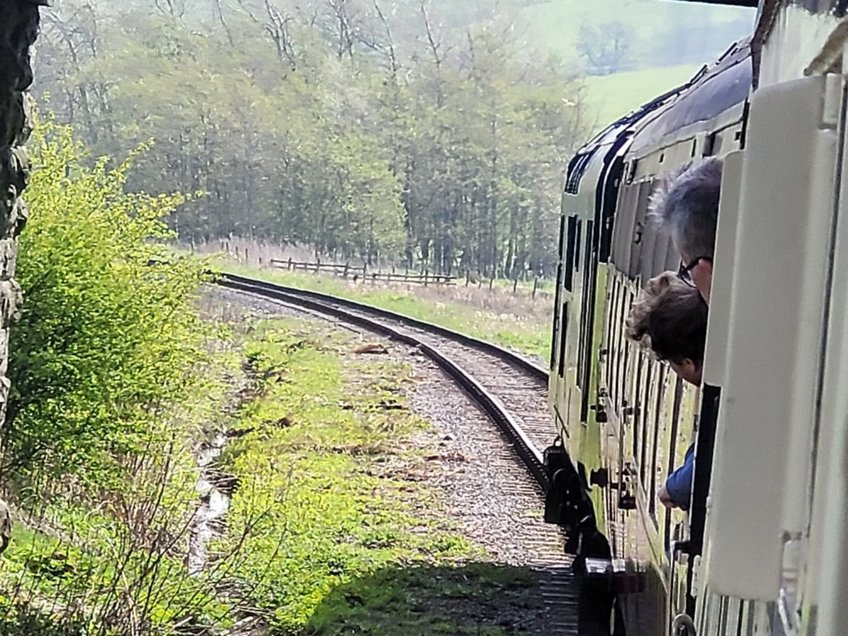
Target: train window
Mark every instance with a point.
(657, 459)
(561, 236)
(642, 231)
(647, 422)
(570, 244)
(623, 349)
(563, 337)
(650, 237)
(616, 334)
(674, 419)
(625, 220)
(612, 325)
(556, 328)
(636, 404)
(576, 170)
(584, 360)
(579, 248)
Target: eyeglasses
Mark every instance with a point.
(684, 272)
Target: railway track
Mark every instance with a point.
(509, 388)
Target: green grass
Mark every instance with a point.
(554, 25)
(659, 30)
(407, 600)
(513, 322)
(613, 96)
(341, 535)
(60, 584)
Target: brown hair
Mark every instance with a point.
(670, 317)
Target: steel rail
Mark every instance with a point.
(530, 367)
(341, 308)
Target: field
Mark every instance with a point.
(612, 96)
(555, 24)
(659, 57)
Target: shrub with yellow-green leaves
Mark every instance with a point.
(105, 341)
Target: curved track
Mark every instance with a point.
(509, 388)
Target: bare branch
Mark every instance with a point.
(387, 48)
(219, 12)
(428, 26)
(278, 28)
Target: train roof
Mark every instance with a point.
(713, 90)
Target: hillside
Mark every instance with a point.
(664, 33)
(612, 96)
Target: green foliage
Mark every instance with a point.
(316, 466)
(365, 146)
(97, 582)
(105, 342)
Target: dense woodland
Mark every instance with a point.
(406, 131)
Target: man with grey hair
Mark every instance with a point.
(686, 205)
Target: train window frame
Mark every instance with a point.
(646, 404)
(611, 328)
(586, 335)
(556, 326)
(659, 424)
(578, 248)
(635, 405)
(671, 466)
(563, 339)
(570, 244)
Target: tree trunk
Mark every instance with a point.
(18, 31)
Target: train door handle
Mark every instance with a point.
(683, 625)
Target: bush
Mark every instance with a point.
(105, 341)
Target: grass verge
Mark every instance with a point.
(517, 322)
(348, 540)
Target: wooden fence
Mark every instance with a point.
(355, 272)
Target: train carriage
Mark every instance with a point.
(761, 550)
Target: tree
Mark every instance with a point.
(364, 129)
(605, 46)
(104, 339)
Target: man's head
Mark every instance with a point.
(686, 205)
(670, 317)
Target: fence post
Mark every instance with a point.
(515, 286)
(426, 272)
(347, 266)
(535, 286)
(318, 266)
(289, 266)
